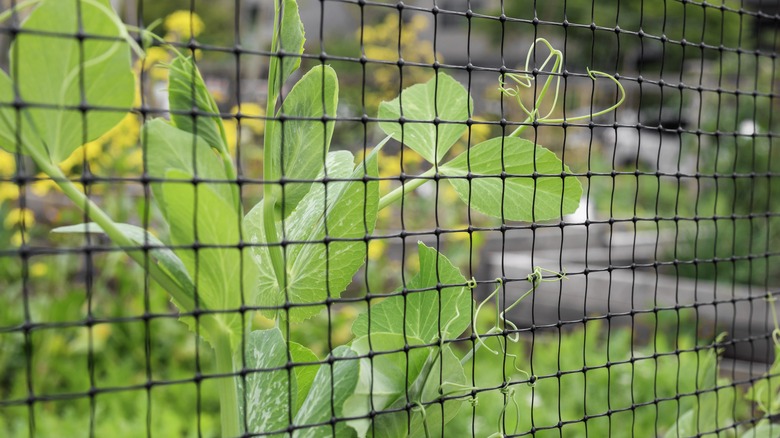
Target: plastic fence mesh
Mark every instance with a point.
(353, 218)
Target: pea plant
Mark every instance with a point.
(298, 249)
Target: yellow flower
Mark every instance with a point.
(154, 56)
(390, 168)
(231, 134)
(460, 235)
(411, 158)
(479, 131)
(7, 164)
(43, 185)
(135, 159)
(16, 239)
(448, 194)
(39, 269)
(184, 23)
(251, 114)
(17, 216)
(391, 165)
(8, 191)
(125, 134)
(376, 248)
(159, 73)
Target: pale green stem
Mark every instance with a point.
(228, 395)
(270, 171)
(521, 128)
(399, 192)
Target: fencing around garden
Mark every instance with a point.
(353, 218)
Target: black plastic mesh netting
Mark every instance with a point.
(353, 218)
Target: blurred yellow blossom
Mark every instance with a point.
(87, 152)
(105, 151)
(17, 216)
(17, 239)
(43, 185)
(460, 235)
(251, 116)
(8, 191)
(448, 193)
(231, 134)
(184, 24)
(38, 269)
(153, 63)
(7, 164)
(376, 248)
(480, 131)
(381, 43)
(389, 167)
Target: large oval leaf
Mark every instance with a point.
(291, 37)
(534, 187)
(316, 272)
(301, 143)
(56, 74)
(424, 312)
(332, 386)
(441, 98)
(270, 388)
(187, 90)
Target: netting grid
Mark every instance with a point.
(354, 218)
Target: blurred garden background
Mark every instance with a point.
(675, 241)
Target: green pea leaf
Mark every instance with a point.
(712, 407)
(316, 271)
(54, 75)
(441, 97)
(168, 147)
(764, 429)
(199, 215)
(518, 196)
(187, 91)
(331, 387)
(445, 376)
(427, 312)
(268, 383)
(395, 377)
(766, 391)
(384, 382)
(11, 127)
(301, 143)
(291, 38)
(161, 255)
(304, 374)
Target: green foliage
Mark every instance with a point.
(187, 91)
(314, 270)
(766, 391)
(160, 254)
(290, 35)
(323, 225)
(418, 312)
(268, 395)
(516, 196)
(304, 140)
(442, 98)
(50, 73)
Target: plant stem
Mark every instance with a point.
(270, 170)
(521, 128)
(405, 188)
(228, 395)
